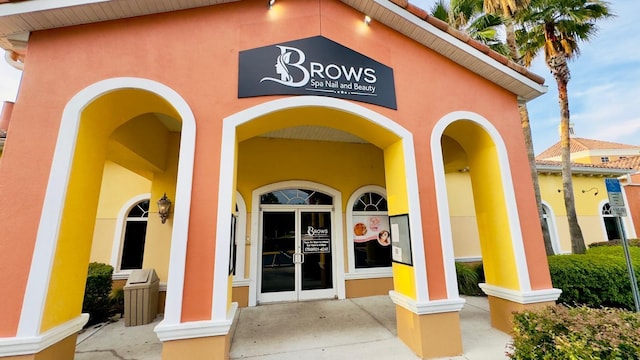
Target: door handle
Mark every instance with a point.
(298, 258)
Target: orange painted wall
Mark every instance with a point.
(195, 52)
(633, 201)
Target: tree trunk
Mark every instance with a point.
(560, 70)
(526, 130)
(528, 140)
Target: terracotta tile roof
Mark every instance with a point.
(462, 36)
(582, 144)
(629, 162)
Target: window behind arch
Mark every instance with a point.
(371, 231)
(135, 233)
(296, 197)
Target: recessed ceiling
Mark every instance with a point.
(318, 133)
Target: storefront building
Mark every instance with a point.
(307, 153)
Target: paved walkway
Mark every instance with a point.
(362, 328)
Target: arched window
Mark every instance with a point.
(135, 232)
(369, 230)
(296, 197)
(610, 223)
(549, 218)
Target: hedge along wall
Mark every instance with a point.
(597, 279)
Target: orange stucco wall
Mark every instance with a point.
(195, 52)
(633, 199)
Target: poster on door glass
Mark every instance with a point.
(371, 228)
(316, 240)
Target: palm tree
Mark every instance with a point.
(507, 9)
(556, 26)
(468, 16)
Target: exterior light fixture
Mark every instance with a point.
(367, 19)
(163, 207)
(271, 2)
(594, 194)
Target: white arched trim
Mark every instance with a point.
(443, 201)
(362, 273)
(605, 236)
(51, 216)
(553, 228)
(626, 221)
(118, 235)
(227, 161)
(336, 237)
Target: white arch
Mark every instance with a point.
(553, 229)
(116, 248)
(336, 223)
(227, 158)
(443, 201)
(51, 216)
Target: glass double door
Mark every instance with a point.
(296, 255)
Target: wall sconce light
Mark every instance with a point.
(163, 207)
(270, 3)
(367, 19)
(594, 194)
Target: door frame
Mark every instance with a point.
(337, 236)
(298, 294)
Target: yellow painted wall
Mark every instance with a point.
(587, 206)
(342, 166)
(490, 204)
(464, 227)
(158, 242)
(119, 185)
(98, 121)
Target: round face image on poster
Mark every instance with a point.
(384, 238)
(360, 229)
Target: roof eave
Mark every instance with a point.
(585, 170)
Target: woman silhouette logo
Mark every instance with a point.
(284, 62)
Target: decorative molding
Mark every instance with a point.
(363, 275)
(241, 282)
(120, 275)
(24, 345)
(526, 297)
(427, 307)
(196, 329)
(468, 259)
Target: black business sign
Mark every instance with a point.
(315, 66)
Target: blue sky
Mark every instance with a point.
(604, 91)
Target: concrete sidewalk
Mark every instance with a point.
(333, 329)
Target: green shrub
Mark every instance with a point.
(596, 279)
(631, 242)
(468, 278)
(117, 302)
(97, 292)
(558, 332)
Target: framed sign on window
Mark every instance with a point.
(401, 239)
